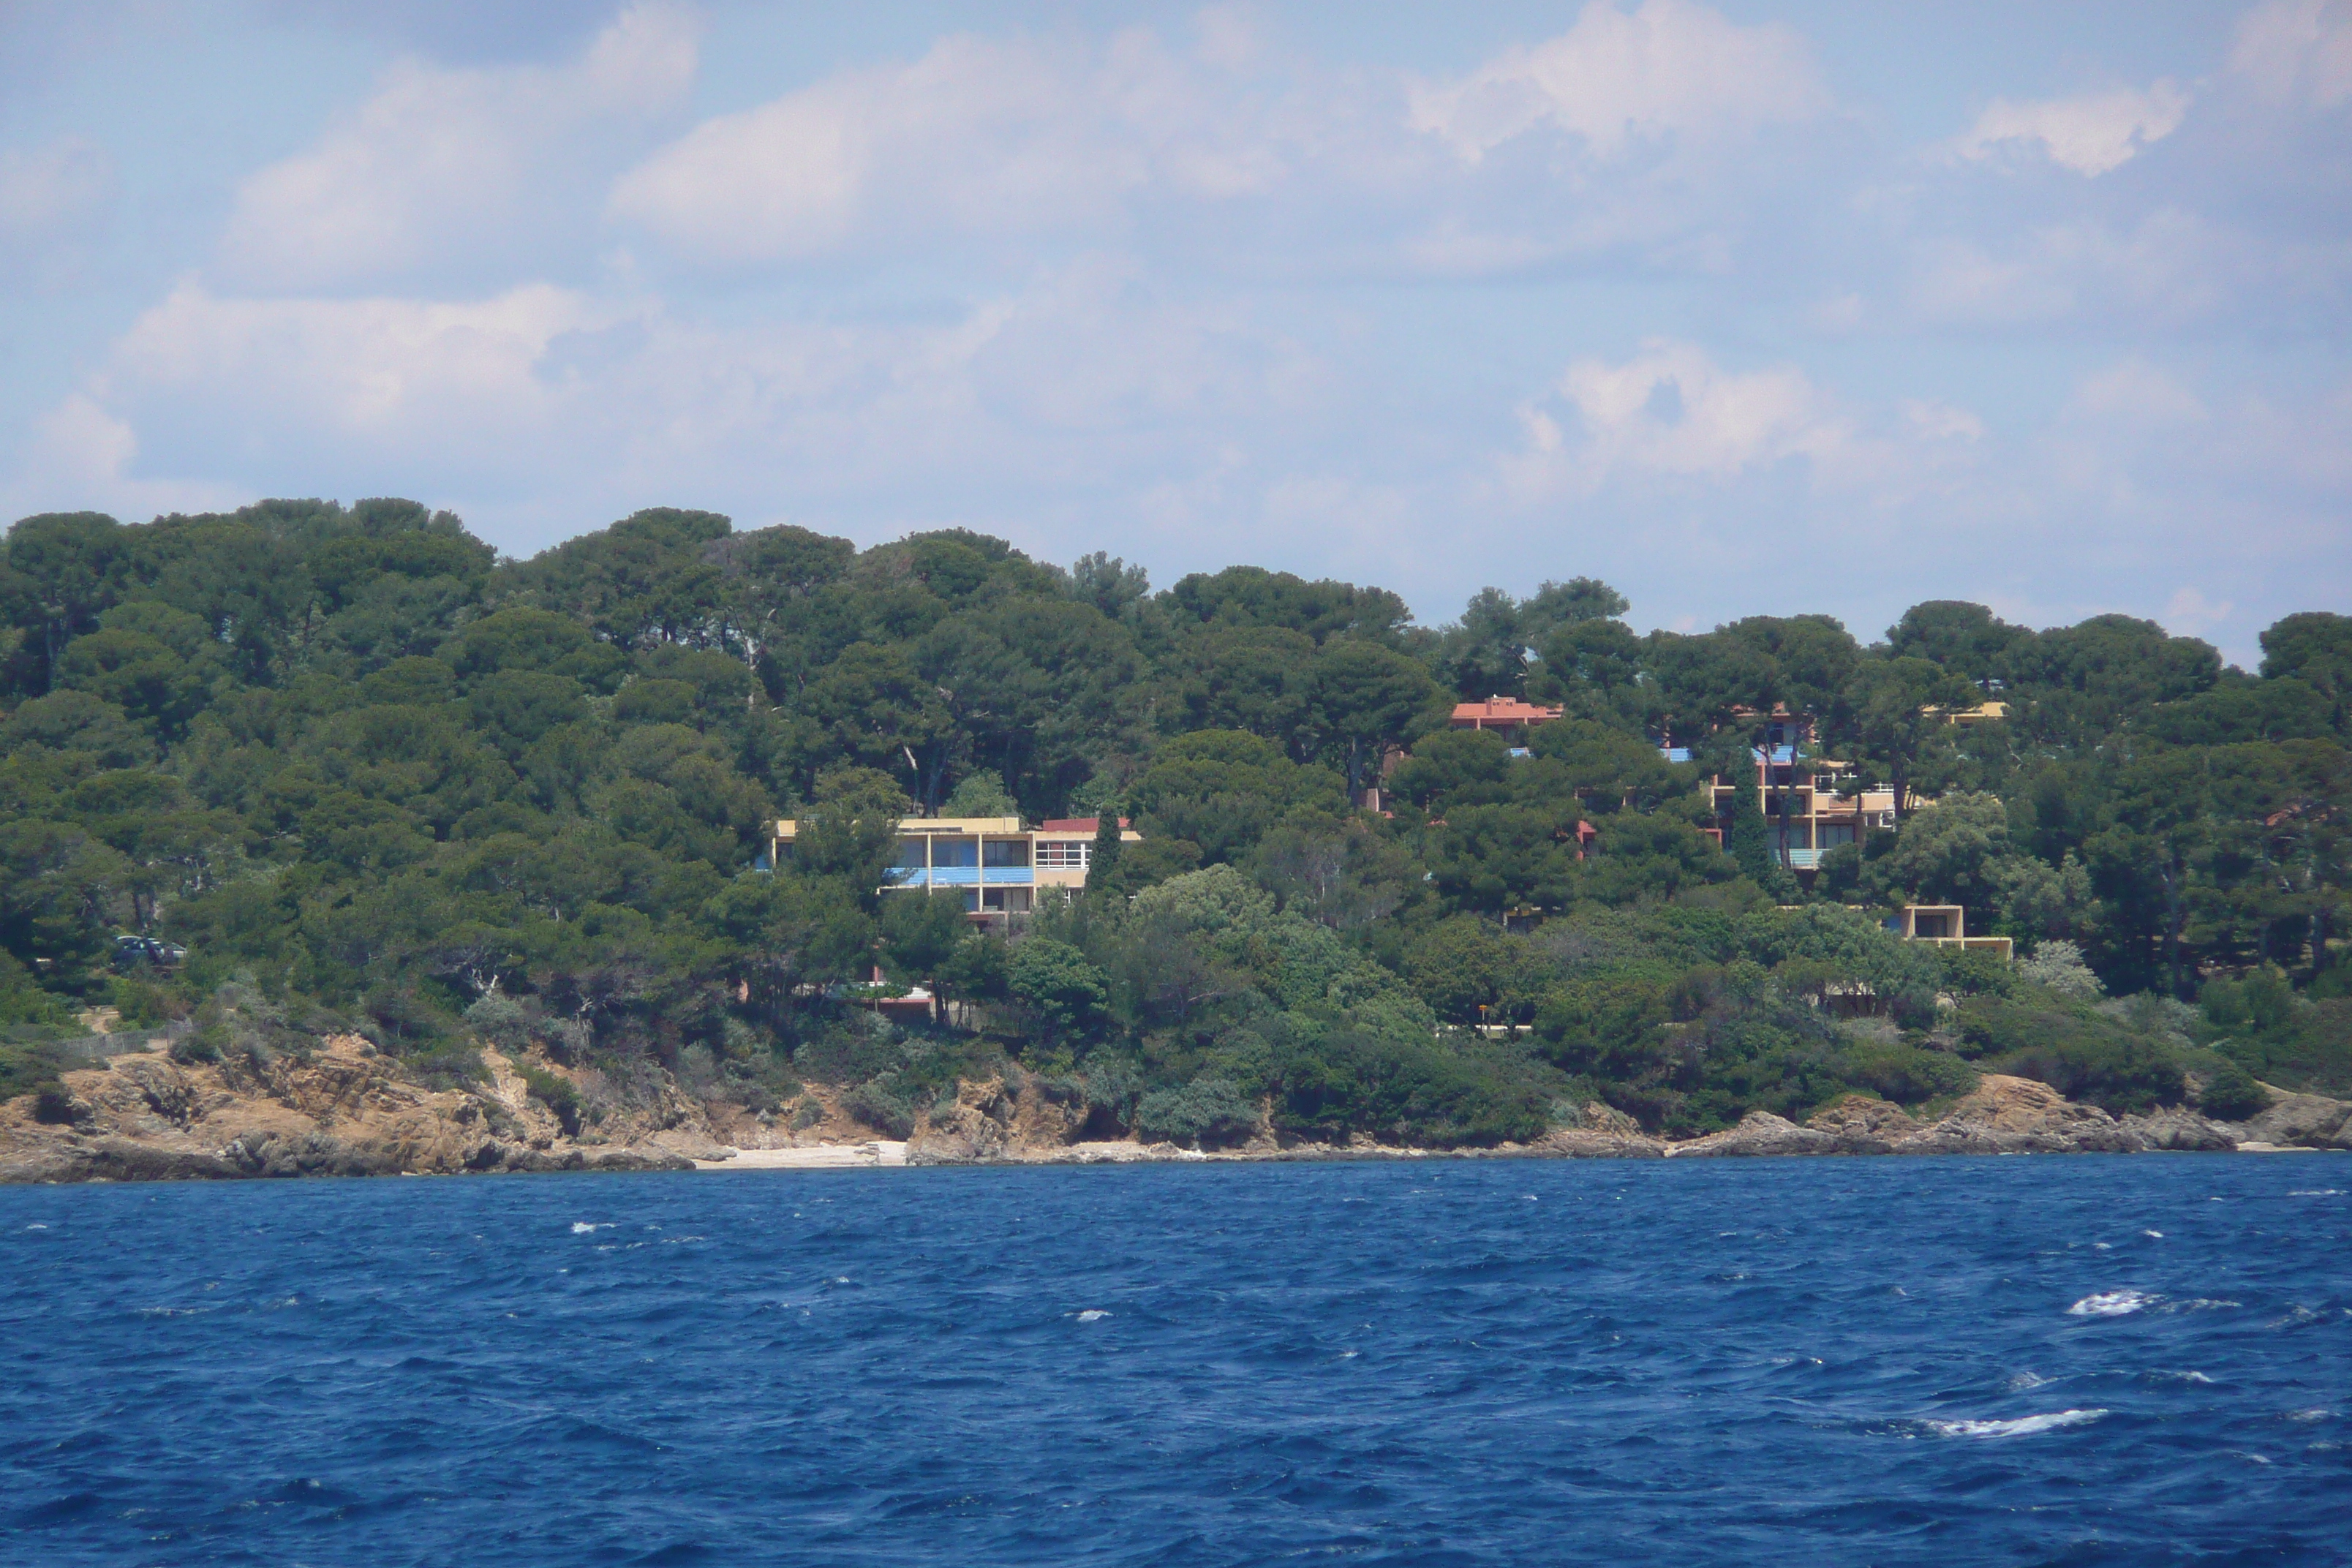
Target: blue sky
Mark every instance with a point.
(1746, 308)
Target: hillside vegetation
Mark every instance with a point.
(375, 778)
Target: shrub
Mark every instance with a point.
(53, 1105)
(1206, 1113)
(26, 1069)
(885, 1103)
(2232, 1095)
(1906, 1073)
(203, 1046)
(558, 1093)
(2075, 1050)
(1409, 1090)
(850, 1051)
(2059, 965)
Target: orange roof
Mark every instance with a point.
(1502, 711)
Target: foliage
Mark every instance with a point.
(374, 778)
(1205, 1113)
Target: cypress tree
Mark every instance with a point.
(1102, 860)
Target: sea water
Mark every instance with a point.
(2078, 1360)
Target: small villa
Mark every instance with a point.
(995, 862)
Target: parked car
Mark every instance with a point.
(134, 949)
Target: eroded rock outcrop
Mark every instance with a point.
(2299, 1121)
(340, 1110)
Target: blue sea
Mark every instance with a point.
(2081, 1360)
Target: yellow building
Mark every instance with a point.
(997, 863)
(1946, 925)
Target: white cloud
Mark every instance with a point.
(2092, 134)
(979, 135)
(81, 459)
(1940, 421)
(1671, 412)
(2297, 51)
(52, 199)
(263, 384)
(2188, 613)
(1671, 69)
(446, 164)
(2138, 394)
(1091, 377)
(2170, 265)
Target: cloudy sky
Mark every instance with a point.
(1747, 308)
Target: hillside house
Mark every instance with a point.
(998, 865)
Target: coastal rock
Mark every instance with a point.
(1760, 1132)
(335, 1109)
(1863, 1124)
(303, 1154)
(2300, 1122)
(978, 1127)
(1598, 1143)
(2008, 1115)
(2179, 1131)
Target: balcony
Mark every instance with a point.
(1799, 859)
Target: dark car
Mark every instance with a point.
(129, 951)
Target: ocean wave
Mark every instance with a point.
(583, 1227)
(2297, 1192)
(2113, 1304)
(1091, 1315)
(2021, 1427)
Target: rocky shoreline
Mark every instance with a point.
(343, 1110)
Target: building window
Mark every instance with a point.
(954, 852)
(1063, 854)
(910, 855)
(1005, 852)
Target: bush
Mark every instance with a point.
(2059, 965)
(2079, 1052)
(1410, 1091)
(558, 1093)
(850, 1051)
(1207, 1112)
(885, 1103)
(2232, 1095)
(1906, 1073)
(203, 1046)
(26, 1069)
(53, 1105)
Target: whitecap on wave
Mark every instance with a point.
(2112, 1304)
(2297, 1192)
(1091, 1315)
(582, 1228)
(2022, 1427)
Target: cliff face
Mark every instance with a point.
(342, 1112)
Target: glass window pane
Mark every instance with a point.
(955, 852)
(1005, 852)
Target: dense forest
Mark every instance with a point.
(375, 778)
